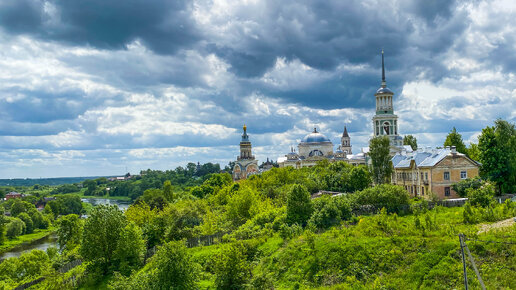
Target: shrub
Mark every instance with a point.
(299, 205)
(15, 228)
(482, 196)
(391, 197)
(29, 225)
(325, 213)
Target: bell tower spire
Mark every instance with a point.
(384, 83)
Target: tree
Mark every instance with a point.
(455, 139)
(167, 191)
(130, 249)
(15, 228)
(473, 151)
(90, 186)
(410, 140)
(101, 234)
(498, 155)
(482, 196)
(379, 149)
(299, 205)
(360, 178)
(20, 206)
(69, 231)
(393, 198)
(29, 225)
(461, 187)
(174, 268)
(3, 222)
(232, 271)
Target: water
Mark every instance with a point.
(41, 244)
(123, 205)
(51, 240)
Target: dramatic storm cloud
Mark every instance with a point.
(95, 87)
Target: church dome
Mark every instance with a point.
(384, 90)
(315, 137)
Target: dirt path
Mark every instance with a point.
(501, 224)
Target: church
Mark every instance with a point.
(316, 146)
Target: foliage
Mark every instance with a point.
(455, 139)
(473, 151)
(326, 212)
(130, 249)
(379, 149)
(461, 187)
(482, 196)
(101, 234)
(69, 231)
(391, 197)
(29, 225)
(170, 268)
(28, 266)
(15, 228)
(299, 205)
(232, 270)
(410, 140)
(65, 188)
(497, 147)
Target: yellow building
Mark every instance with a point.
(427, 171)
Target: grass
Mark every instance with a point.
(25, 239)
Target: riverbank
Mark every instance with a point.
(119, 198)
(10, 245)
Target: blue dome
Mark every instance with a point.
(384, 90)
(315, 137)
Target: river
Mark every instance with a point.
(51, 240)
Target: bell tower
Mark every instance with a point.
(385, 122)
(245, 147)
(345, 145)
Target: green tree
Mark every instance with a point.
(29, 225)
(69, 231)
(410, 140)
(299, 205)
(101, 234)
(90, 185)
(174, 267)
(360, 178)
(15, 228)
(393, 198)
(482, 196)
(461, 187)
(455, 139)
(167, 191)
(498, 155)
(379, 151)
(130, 250)
(473, 151)
(3, 222)
(232, 271)
(20, 206)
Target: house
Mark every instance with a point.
(428, 171)
(13, 194)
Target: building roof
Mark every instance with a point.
(14, 193)
(384, 90)
(345, 134)
(315, 137)
(422, 157)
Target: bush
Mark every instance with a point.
(299, 205)
(15, 228)
(391, 197)
(482, 196)
(29, 225)
(232, 271)
(461, 187)
(325, 213)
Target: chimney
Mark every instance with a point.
(453, 149)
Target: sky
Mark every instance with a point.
(90, 88)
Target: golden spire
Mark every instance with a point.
(245, 128)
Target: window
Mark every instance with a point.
(446, 191)
(422, 190)
(426, 175)
(463, 174)
(446, 175)
(421, 175)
